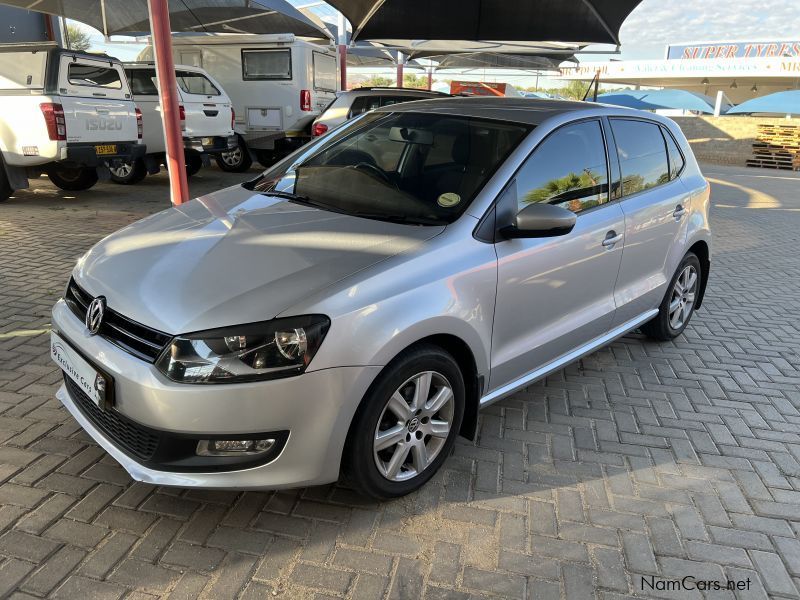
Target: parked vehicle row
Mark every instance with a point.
(278, 85)
(378, 288)
(206, 116)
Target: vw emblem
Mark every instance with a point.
(94, 314)
(413, 424)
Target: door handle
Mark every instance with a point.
(612, 239)
(679, 212)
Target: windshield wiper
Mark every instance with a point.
(305, 200)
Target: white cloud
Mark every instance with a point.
(654, 23)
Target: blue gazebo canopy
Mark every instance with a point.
(780, 103)
(660, 99)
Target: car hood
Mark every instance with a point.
(233, 257)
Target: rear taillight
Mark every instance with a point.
(319, 129)
(233, 118)
(139, 124)
(305, 100)
(182, 116)
(55, 121)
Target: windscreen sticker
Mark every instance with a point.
(448, 200)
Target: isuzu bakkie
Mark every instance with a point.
(64, 113)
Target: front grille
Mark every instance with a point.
(140, 340)
(130, 436)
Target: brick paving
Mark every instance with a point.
(641, 460)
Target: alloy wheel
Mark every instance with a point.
(122, 171)
(683, 296)
(414, 426)
(232, 158)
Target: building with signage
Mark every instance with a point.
(741, 70)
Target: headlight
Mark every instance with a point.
(269, 350)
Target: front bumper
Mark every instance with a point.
(86, 154)
(315, 408)
(210, 144)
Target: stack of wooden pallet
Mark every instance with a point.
(776, 147)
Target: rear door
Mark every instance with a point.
(556, 294)
(97, 101)
(207, 107)
(655, 204)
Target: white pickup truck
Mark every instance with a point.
(206, 120)
(64, 113)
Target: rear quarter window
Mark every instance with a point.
(94, 76)
(191, 82)
(642, 155)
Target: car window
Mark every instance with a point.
(93, 75)
(676, 160)
(567, 169)
(195, 83)
(379, 167)
(642, 155)
(266, 64)
(364, 104)
(142, 82)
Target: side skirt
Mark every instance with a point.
(566, 359)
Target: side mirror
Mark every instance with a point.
(540, 220)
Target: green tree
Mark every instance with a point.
(410, 80)
(77, 38)
(377, 81)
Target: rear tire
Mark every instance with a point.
(194, 163)
(129, 173)
(406, 424)
(679, 302)
(237, 160)
(73, 179)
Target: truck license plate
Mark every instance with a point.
(105, 149)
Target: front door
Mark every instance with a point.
(556, 294)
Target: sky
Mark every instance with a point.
(646, 32)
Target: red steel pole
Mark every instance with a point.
(430, 78)
(343, 66)
(167, 91)
(399, 69)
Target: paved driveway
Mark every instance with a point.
(639, 465)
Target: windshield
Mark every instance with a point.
(406, 167)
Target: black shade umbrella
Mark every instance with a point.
(590, 21)
(219, 16)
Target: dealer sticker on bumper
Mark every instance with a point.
(80, 371)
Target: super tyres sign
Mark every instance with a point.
(722, 50)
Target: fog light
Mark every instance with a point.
(233, 447)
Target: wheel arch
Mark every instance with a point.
(702, 251)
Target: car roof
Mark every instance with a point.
(531, 111)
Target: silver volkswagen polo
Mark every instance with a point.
(348, 312)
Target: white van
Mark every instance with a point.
(64, 113)
(206, 120)
(278, 85)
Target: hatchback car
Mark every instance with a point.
(349, 311)
(352, 103)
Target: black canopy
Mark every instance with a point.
(219, 16)
(590, 21)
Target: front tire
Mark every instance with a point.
(679, 302)
(128, 173)
(406, 424)
(74, 179)
(237, 160)
(6, 191)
